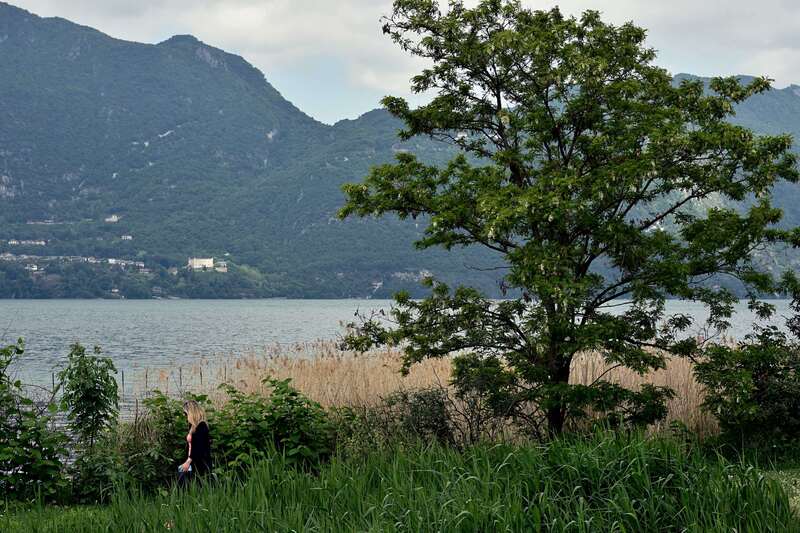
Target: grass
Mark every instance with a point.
(607, 482)
(336, 378)
(790, 480)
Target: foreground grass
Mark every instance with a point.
(790, 479)
(604, 483)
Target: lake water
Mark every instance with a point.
(160, 334)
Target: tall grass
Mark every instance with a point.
(606, 482)
(336, 378)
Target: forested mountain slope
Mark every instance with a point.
(198, 155)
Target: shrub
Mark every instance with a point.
(246, 429)
(95, 474)
(753, 389)
(31, 450)
(423, 414)
(404, 417)
(493, 393)
(241, 433)
(248, 426)
(90, 394)
(90, 399)
(431, 415)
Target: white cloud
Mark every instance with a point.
(332, 60)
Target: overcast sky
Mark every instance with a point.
(330, 59)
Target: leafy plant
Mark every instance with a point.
(422, 414)
(241, 433)
(405, 418)
(753, 388)
(31, 450)
(300, 426)
(89, 393)
(96, 473)
(249, 426)
(587, 173)
(90, 398)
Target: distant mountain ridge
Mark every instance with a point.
(198, 155)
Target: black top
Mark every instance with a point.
(201, 449)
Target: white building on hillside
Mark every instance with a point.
(200, 263)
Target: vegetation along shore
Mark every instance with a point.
(586, 183)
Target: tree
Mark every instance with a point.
(594, 177)
(90, 394)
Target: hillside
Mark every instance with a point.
(196, 154)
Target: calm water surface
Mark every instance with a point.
(165, 333)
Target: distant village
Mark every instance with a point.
(36, 263)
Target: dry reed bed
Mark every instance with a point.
(338, 378)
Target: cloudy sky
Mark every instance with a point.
(330, 58)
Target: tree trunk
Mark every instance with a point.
(557, 414)
(555, 420)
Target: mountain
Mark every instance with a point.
(198, 155)
(773, 112)
(194, 154)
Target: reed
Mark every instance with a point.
(334, 377)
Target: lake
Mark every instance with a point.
(159, 334)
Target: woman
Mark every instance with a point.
(198, 462)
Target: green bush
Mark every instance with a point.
(95, 474)
(246, 429)
(248, 426)
(89, 394)
(90, 399)
(753, 389)
(407, 417)
(31, 450)
(423, 414)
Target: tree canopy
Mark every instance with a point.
(577, 152)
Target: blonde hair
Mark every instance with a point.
(195, 413)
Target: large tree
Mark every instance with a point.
(594, 177)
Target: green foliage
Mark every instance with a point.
(31, 451)
(753, 388)
(407, 417)
(96, 473)
(89, 394)
(590, 174)
(249, 426)
(422, 414)
(90, 400)
(246, 429)
(607, 482)
(152, 446)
